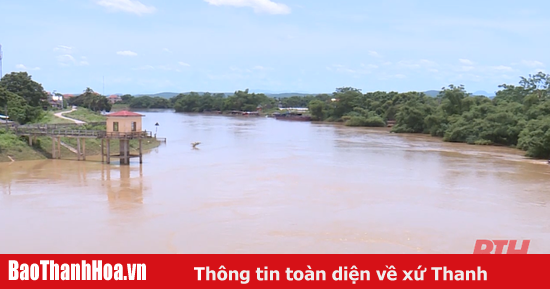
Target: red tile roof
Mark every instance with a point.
(124, 113)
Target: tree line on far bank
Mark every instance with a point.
(518, 116)
(195, 102)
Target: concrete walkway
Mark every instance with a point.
(69, 148)
(60, 115)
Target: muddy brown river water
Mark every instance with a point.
(259, 185)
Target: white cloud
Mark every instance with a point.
(355, 72)
(503, 68)
(466, 61)
(67, 59)
(84, 61)
(63, 49)
(130, 6)
(126, 53)
(374, 54)
(259, 6)
(22, 67)
(184, 64)
(417, 64)
(166, 50)
(532, 63)
(369, 65)
(261, 68)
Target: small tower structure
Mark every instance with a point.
(123, 126)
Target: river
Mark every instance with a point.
(259, 185)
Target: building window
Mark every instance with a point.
(115, 126)
(134, 125)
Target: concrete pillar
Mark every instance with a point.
(53, 146)
(108, 151)
(59, 147)
(124, 152)
(140, 153)
(84, 149)
(102, 150)
(78, 148)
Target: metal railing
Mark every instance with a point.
(54, 126)
(127, 135)
(59, 131)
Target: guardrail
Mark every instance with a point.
(58, 132)
(42, 130)
(55, 126)
(127, 135)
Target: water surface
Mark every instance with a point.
(258, 185)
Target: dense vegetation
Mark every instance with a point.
(24, 99)
(146, 101)
(91, 100)
(517, 116)
(195, 102)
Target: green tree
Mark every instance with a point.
(18, 108)
(317, 109)
(91, 100)
(21, 83)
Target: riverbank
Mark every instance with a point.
(86, 115)
(14, 148)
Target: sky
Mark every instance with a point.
(310, 46)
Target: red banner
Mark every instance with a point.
(273, 271)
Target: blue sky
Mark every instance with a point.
(150, 46)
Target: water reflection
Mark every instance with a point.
(122, 185)
(124, 192)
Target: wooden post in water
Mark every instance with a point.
(102, 150)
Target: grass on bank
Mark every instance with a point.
(16, 148)
(86, 115)
(49, 118)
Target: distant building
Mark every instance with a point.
(115, 98)
(295, 108)
(56, 101)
